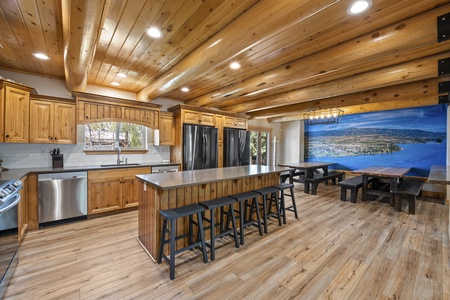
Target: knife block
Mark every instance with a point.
(57, 161)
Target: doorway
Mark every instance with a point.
(259, 147)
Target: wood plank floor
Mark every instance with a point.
(335, 250)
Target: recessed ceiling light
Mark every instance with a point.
(154, 32)
(41, 55)
(114, 83)
(120, 74)
(359, 6)
(185, 89)
(235, 65)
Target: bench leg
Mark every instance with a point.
(343, 193)
(314, 188)
(354, 194)
(412, 205)
(306, 185)
(397, 202)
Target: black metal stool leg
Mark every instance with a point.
(173, 230)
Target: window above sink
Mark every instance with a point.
(102, 137)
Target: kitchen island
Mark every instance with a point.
(171, 190)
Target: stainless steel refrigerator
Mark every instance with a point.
(199, 147)
(236, 147)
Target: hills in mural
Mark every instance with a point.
(365, 141)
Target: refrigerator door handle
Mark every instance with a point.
(204, 148)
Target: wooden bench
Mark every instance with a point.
(409, 189)
(353, 184)
(284, 177)
(318, 178)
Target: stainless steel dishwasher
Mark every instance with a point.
(62, 196)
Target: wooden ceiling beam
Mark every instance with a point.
(263, 21)
(420, 69)
(398, 92)
(393, 44)
(364, 108)
(82, 23)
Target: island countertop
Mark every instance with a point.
(172, 180)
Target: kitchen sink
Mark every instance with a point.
(119, 165)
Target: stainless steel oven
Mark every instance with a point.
(9, 238)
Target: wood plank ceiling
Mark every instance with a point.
(295, 56)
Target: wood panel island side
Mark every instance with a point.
(171, 190)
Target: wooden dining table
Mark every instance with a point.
(308, 168)
(439, 174)
(393, 174)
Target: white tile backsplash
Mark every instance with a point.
(38, 155)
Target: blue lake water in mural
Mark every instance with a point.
(418, 156)
(414, 138)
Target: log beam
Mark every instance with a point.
(82, 25)
(401, 42)
(364, 108)
(399, 92)
(420, 69)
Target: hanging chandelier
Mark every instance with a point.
(325, 116)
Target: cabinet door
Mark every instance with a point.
(191, 117)
(104, 195)
(41, 123)
(130, 197)
(22, 220)
(16, 115)
(229, 122)
(64, 129)
(207, 119)
(241, 123)
(166, 130)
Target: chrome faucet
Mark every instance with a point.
(117, 147)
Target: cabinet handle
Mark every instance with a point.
(50, 138)
(56, 138)
(7, 135)
(87, 117)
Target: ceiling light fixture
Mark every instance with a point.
(120, 74)
(114, 83)
(235, 65)
(326, 116)
(154, 32)
(185, 89)
(359, 6)
(41, 56)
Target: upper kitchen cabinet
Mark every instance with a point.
(14, 110)
(166, 129)
(234, 122)
(52, 121)
(97, 108)
(198, 118)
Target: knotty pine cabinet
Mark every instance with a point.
(14, 112)
(166, 129)
(52, 122)
(198, 118)
(113, 189)
(233, 122)
(98, 108)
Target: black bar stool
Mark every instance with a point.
(221, 203)
(282, 187)
(172, 215)
(269, 194)
(243, 199)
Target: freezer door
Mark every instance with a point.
(209, 148)
(244, 148)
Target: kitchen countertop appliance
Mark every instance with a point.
(62, 197)
(9, 238)
(164, 169)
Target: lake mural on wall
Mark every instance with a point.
(414, 138)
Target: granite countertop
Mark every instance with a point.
(188, 178)
(14, 174)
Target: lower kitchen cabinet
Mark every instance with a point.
(113, 189)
